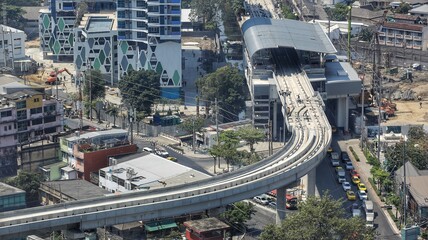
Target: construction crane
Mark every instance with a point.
(52, 79)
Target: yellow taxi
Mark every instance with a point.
(172, 159)
(351, 195)
(355, 179)
(361, 186)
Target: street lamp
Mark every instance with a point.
(404, 132)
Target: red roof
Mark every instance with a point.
(404, 26)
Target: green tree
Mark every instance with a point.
(288, 13)
(366, 34)
(140, 89)
(30, 183)
(14, 15)
(113, 110)
(93, 86)
(319, 218)
(403, 8)
(239, 213)
(205, 10)
(192, 125)
(226, 84)
(380, 175)
(251, 136)
(338, 13)
(229, 141)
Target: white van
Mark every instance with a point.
(147, 149)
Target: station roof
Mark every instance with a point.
(265, 33)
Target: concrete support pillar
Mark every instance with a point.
(340, 112)
(309, 182)
(275, 120)
(346, 126)
(280, 204)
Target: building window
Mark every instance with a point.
(21, 104)
(35, 110)
(6, 114)
(141, 14)
(49, 119)
(22, 126)
(21, 115)
(37, 121)
(36, 99)
(5, 128)
(50, 130)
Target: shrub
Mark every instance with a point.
(354, 154)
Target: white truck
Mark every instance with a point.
(368, 209)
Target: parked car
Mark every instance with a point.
(355, 179)
(345, 157)
(272, 205)
(354, 172)
(349, 165)
(362, 195)
(335, 162)
(262, 199)
(346, 186)
(351, 195)
(147, 149)
(361, 186)
(341, 179)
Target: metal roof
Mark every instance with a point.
(265, 33)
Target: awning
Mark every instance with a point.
(160, 225)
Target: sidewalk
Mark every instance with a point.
(363, 168)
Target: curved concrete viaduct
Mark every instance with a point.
(310, 138)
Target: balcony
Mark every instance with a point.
(408, 36)
(390, 35)
(68, 8)
(399, 44)
(382, 42)
(399, 36)
(389, 43)
(417, 47)
(417, 38)
(381, 33)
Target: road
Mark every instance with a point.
(326, 181)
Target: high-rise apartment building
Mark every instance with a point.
(149, 35)
(56, 24)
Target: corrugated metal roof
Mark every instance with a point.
(265, 33)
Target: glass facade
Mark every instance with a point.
(12, 202)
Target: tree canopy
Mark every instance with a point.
(415, 150)
(403, 8)
(251, 136)
(94, 84)
(338, 13)
(139, 89)
(239, 213)
(14, 15)
(226, 84)
(319, 218)
(30, 183)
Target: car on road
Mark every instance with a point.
(354, 172)
(349, 165)
(361, 186)
(355, 179)
(162, 153)
(362, 195)
(339, 169)
(351, 195)
(272, 205)
(172, 159)
(147, 149)
(262, 199)
(345, 157)
(341, 179)
(346, 186)
(335, 162)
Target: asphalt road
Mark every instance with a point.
(326, 181)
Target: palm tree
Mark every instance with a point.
(113, 110)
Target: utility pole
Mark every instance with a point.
(3, 45)
(349, 2)
(404, 184)
(131, 122)
(12, 49)
(90, 88)
(56, 83)
(4, 13)
(216, 121)
(80, 101)
(270, 137)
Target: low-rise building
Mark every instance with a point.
(54, 192)
(404, 31)
(416, 188)
(11, 198)
(208, 136)
(89, 152)
(145, 172)
(204, 229)
(12, 45)
(421, 11)
(31, 17)
(27, 115)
